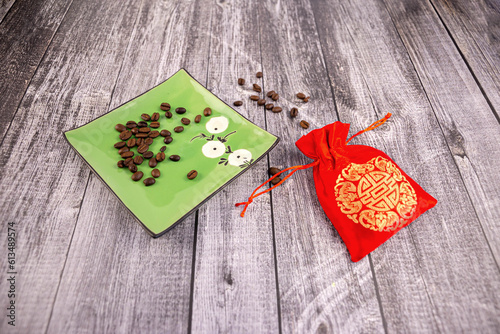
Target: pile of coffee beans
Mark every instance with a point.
(140, 136)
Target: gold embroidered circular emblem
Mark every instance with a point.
(376, 195)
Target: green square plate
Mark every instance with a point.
(221, 147)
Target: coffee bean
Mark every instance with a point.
(152, 162)
(259, 75)
(139, 141)
(294, 112)
(131, 124)
(154, 134)
(269, 106)
(125, 135)
(141, 135)
(120, 164)
(149, 181)
(306, 99)
(160, 156)
(128, 154)
(168, 140)
(135, 130)
(145, 117)
(120, 144)
(179, 129)
(301, 95)
(148, 141)
(165, 106)
(132, 168)
(261, 102)
(155, 173)
(168, 114)
(120, 127)
(144, 130)
(137, 176)
(128, 161)
(185, 121)
(131, 142)
(138, 160)
(257, 88)
(270, 93)
(241, 81)
(207, 112)
(123, 150)
(154, 125)
(142, 124)
(238, 103)
(197, 119)
(276, 109)
(174, 157)
(165, 133)
(275, 97)
(254, 97)
(155, 116)
(180, 110)
(143, 148)
(276, 180)
(304, 124)
(192, 174)
(274, 170)
(163, 148)
(148, 155)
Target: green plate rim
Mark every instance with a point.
(196, 207)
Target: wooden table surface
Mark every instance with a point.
(84, 265)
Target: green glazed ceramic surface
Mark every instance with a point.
(220, 148)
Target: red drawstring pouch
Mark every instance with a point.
(365, 194)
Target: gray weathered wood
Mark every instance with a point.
(444, 254)
(475, 28)
(321, 290)
(5, 5)
(45, 180)
(235, 269)
(22, 49)
(148, 280)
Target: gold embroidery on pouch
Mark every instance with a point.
(376, 195)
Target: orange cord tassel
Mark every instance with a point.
(371, 127)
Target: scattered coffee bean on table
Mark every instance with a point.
(138, 160)
(269, 106)
(165, 133)
(276, 180)
(125, 135)
(174, 157)
(142, 124)
(149, 181)
(131, 124)
(168, 114)
(155, 116)
(168, 140)
(120, 144)
(123, 150)
(274, 170)
(148, 155)
(148, 141)
(257, 88)
(197, 119)
(128, 161)
(238, 103)
(145, 117)
(179, 129)
(207, 112)
(137, 176)
(120, 164)
(241, 81)
(154, 124)
(304, 124)
(154, 134)
(185, 121)
(275, 97)
(294, 112)
(120, 127)
(165, 106)
(276, 109)
(270, 93)
(132, 168)
(261, 102)
(301, 95)
(143, 148)
(259, 75)
(306, 99)
(152, 162)
(254, 97)
(160, 156)
(163, 148)
(192, 174)
(180, 110)
(155, 173)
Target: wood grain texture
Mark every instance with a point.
(25, 34)
(5, 6)
(321, 290)
(148, 281)
(234, 281)
(45, 179)
(475, 28)
(444, 254)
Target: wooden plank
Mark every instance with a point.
(438, 274)
(25, 35)
(234, 282)
(474, 27)
(45, 180)
(5, 5)
(149, 279)
(321, 290)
